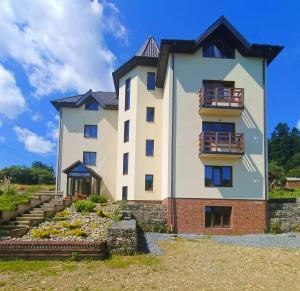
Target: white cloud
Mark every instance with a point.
(52, 130)
(298, 124)
(2, 139)
(12, 102)
(36, 117)
(33, 142)
(61, 44)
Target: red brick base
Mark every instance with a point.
(248, 216)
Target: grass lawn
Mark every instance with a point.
(186, 265)
(284, 194)
(10, 202)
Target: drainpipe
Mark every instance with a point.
(58, 161)
(173, 153)
(265, 144)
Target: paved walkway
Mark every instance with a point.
(286, 240)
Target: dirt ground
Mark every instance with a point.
(186, 265)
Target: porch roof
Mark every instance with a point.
(79, 169)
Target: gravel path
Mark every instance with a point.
(287, 240)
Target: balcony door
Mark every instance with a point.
(212, 127)
(216, 91)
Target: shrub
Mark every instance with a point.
(83, 206)
(100, 213)
(99, 198)
(73, 225)
(44, 233)
(76, 232)
(275, 228)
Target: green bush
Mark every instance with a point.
(84, 206)
(275, 228)
(100, 213)
(73, 225)
(76, 232)
(44, 233)
(99, 198)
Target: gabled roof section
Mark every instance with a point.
(107, 100)
(79, 168)
(146, 56)
(220, 29)
(149, 49)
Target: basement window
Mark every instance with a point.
(218, 216)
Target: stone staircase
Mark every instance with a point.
(22, 223)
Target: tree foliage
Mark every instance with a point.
(38, 173)
(284, 147)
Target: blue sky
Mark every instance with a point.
(52, 49)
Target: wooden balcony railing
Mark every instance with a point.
(221, 97)
(221, 142)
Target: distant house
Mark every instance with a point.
(185, 128)
(292, 182)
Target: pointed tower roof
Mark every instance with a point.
(149, 49)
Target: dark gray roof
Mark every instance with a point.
(149, 49)
(107, 100)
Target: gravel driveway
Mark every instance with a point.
(286, 240)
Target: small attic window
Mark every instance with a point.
(92, 105)
(218, 49)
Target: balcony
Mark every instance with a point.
(221, 144)
(224, 101)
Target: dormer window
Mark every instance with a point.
(218, 50)
(93, 105)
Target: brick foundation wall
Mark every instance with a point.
(248, 216)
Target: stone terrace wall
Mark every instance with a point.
(286, 212)
(150, 217)
(122, 237)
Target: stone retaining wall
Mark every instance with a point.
(122, 237)
(150, 217)
(285, 213)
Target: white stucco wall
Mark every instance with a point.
(248, 172)
(140, 130)
(74, 143)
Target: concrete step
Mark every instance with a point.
(33, 215)
(23, 223)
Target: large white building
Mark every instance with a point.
(186, 127)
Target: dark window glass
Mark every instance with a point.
(148, 182)
(92, 105)
(150, 81)
(150, 114)
(127, 94)
(90, 131)
(218, 50)
(126, 131)
(218, 176)
(124, 192)
(217, 216)
(125, 164)
(149, 147)
(218, 127)
(89, 158)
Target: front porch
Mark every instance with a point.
(82, 181)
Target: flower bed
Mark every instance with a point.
(74, 225)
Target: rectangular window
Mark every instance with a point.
(90, 131)
(149, 147)
(218, 216)
(89, 158)
(150, 114)
(124, 193)
(125, 164)
(127, 94)
(126, 131)
(150, 81)
(93, 105)
(218, 127)
(218, 176)
(149, 182)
